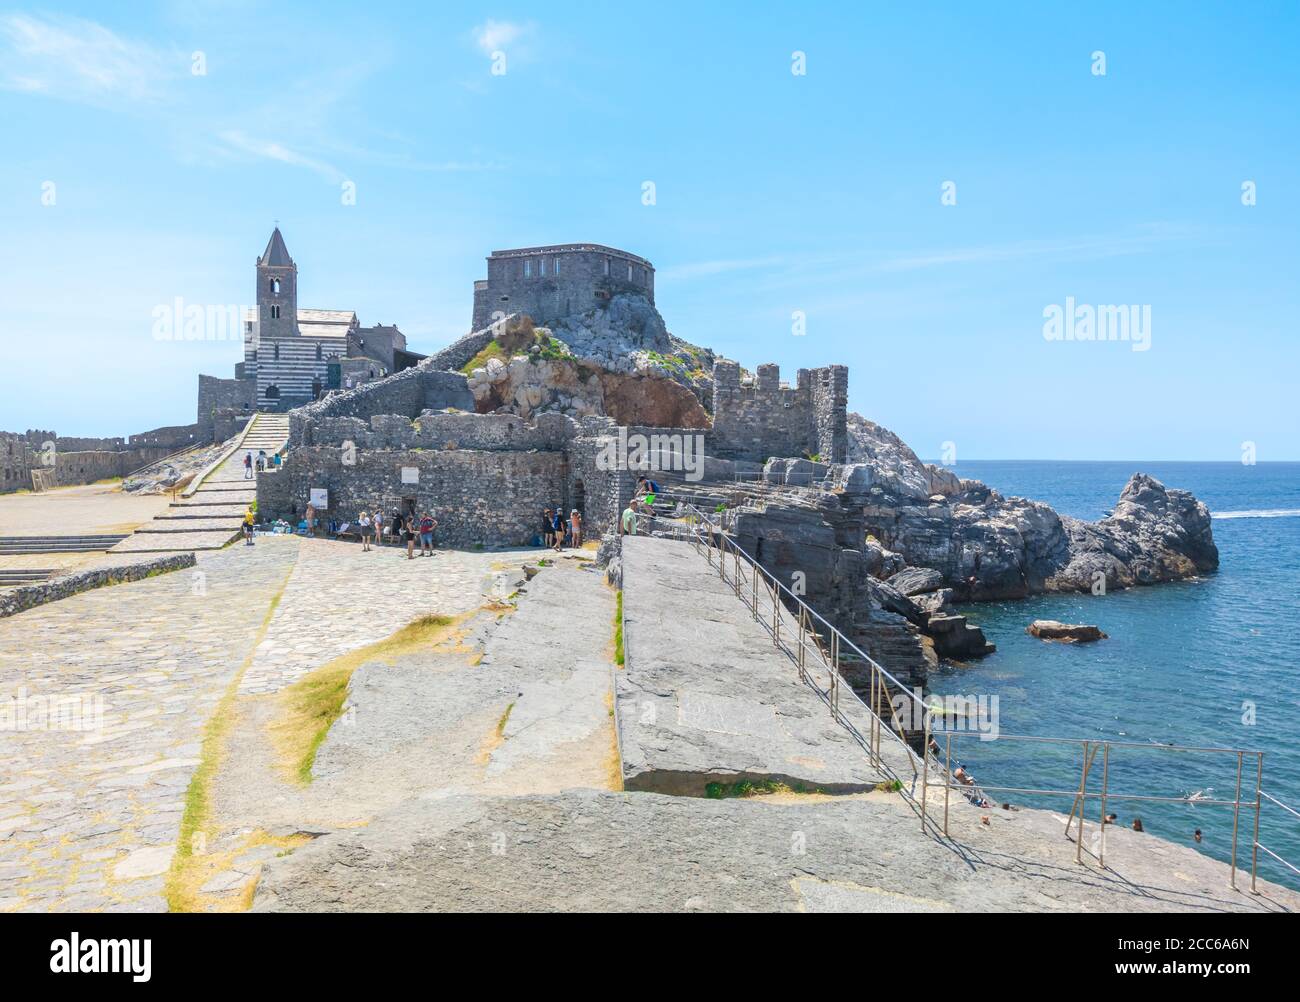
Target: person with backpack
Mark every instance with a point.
(557, 528)
(427, 524)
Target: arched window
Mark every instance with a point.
(273, 392)
(275, 286)
(319, 352)
(275, 313)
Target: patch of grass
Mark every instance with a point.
(888, 786)
(494, 349)
(749, 788)
(313, 703)
(501, 724)
(181, 886)
(619, 653)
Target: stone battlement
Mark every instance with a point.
(760, 419)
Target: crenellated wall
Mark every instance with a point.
(761, 419)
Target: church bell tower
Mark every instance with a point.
(277, 291)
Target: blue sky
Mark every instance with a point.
(775, 193)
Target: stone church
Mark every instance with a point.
(292, 355)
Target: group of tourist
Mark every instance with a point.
(261, 463)
(408, 528)
(558, 531)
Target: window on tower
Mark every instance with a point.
(275, 286)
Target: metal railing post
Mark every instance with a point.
(1105, 784)
(925, 776)
(1254, 842)
(1236, 815)
(947, 776)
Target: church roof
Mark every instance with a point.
(276, 253)
(318, 323)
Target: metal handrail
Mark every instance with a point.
(810, 638)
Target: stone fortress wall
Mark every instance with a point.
(86, 460)
(762, 419)
(556, 282)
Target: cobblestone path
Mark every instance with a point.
(89, 817)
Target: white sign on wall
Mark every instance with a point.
(320, 498)
(410, 474)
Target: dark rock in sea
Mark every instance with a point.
(1067, 633)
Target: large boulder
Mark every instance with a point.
(1068, 633)
(913, 581)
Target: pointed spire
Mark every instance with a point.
(276, 253)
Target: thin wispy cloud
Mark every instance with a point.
(266, 149)
(495, 36)
(72, 59)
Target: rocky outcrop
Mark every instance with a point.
(1067, 633)
(987, 546)
(530, 384)
(878, 457)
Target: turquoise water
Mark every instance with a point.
(1184, 664)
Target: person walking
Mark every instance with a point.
(363, 520)
(408, 528)
(427, 524)
(557, 528)
(248, 466)
(249, 519)
(575, 529)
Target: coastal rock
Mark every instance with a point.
(1069, 633)
(879, 457)
(958, 639)
(989, 547)
(914, 581)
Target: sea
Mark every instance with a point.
(1207, 663)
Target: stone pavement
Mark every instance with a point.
(706, 696)
(89, 818)
(91, 509)
(585, 850)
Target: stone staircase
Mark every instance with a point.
(211, 517)
(13, 577)
(12, 545)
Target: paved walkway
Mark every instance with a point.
(89, 818)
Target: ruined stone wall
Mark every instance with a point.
(442, 430)
(15, 462)
(87, 467)
(168, 439)
(763, 419)
(405, 393)
(217, 395)
(478, 498)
